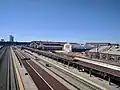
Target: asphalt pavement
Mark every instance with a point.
(4, 65)
(7, 74)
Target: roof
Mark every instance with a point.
(107, 50)
(113, 50)
(48, 42)
(96, 43)
(52, 46)
(100, 49)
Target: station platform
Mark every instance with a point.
(25, 81)
(104, 67)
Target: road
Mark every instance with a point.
(7, 74)
(4, 65)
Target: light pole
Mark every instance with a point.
(97, 51)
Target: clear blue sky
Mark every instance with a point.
(61, 20)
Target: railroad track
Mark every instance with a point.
(85, 84)
(41, 85)
(82, 81)
(42, 79)
(112, 74)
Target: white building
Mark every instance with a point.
(76, 47)
(67, 47)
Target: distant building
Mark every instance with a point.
(47, 45)
(75, 47)
(11, 38)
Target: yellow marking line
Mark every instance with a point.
(40, 76)
(17, 72)
(94, 84)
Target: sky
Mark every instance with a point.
(61, 20)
